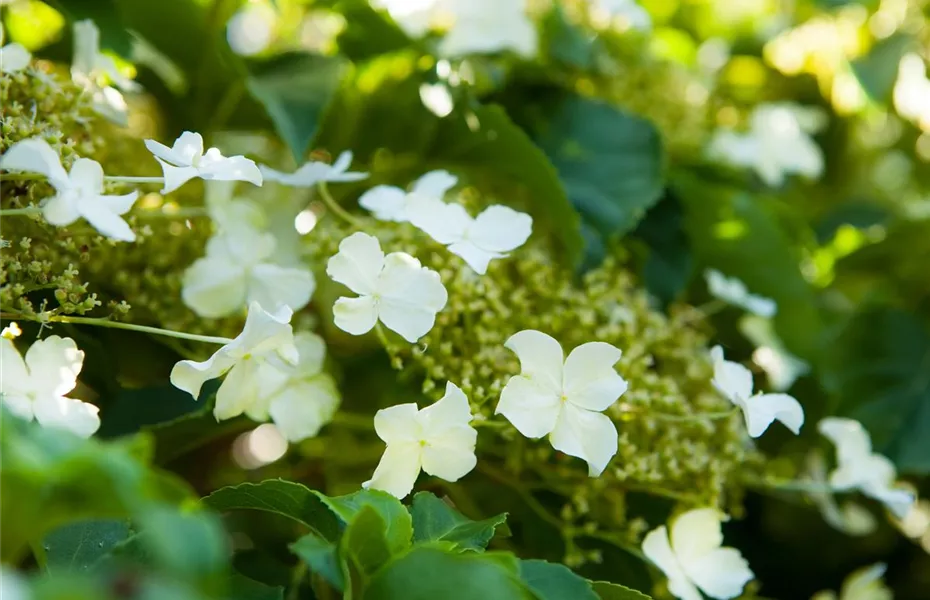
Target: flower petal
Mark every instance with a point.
(186, 149)
(434, 184)
(61, 209)
(175, 177)
(214, 288)
(103, 220)
(589, 378)
(898, 501)
(386, 203)
(267, 332)
(695, 534)
(86, 47)
(119, 205)
(452, 410)
(87, 176)
(358, 263)
(14, 376)
(398, 469)
(445, 223)
(657, 549)
(531, 408)
(540, 357)
(760, 410)
(270, 284)
(14, 57)
(190, 376)
(411, 296)
(450, 461)
(215, 166)
(35, 156)
(304, 407)
(721, 573)
(239, 390)
(80, 418)
(54, 364)
(587, 435)
(355, 315)
(474, 257)
(500, 229)
(398, 423)
(852, 441)
(312, 352)
(732, 380)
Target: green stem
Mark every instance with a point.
(489, 424)
(354, 421)
(795, 485)
(695, 417)
(332, 205)
(101, 322)
(161, 213)
(120, 179)
(12, 212)
(300, 571)
(382, 337)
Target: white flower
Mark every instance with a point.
(850, 518)
(862, 584)
(912, 91)
(693, 558)
(781, 367)
(415, 17)
(95, 71)
(564, 401)
(255, 361)
(394, 289)
(186, 159)
(313, 172)
(777, 144)
(734, 382)
(492, 234)
(733, 291)
(13, 57)
(35, 388)
(487, 26)
(13, 586)
(860, 468)
(251, 30)
(237, 269)
(436, 439)
(389, 203)
(80, 192)
(630, 14)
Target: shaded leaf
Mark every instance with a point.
(877, 71)
(434, 521)
(669, 262)
(614, 591)
(398, 523)
(365, 544)
(322, 558)
(551, 581)
(243, 588)
(77, 546)
(368, 32)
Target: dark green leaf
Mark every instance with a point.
(880, 367)
(322, 558)
(614, 591)
(550, 581)
(669, 263)
(434, 521)
(133, 409)
(285, 498)
(77, 546)
(104, 13)
(243, 588)
(364, 543)
(427, 573)
(877, 71)
(368, 32)
(398, 524)
(187, 545)
(567, 43)
(294, 89)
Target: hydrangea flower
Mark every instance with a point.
(693, 558)
(253, 363)
(393, 289)
(564, 400)
(237, 269)
(436, 439)
(13, 57)
(95, 71)
(314, 172)
(862, 584)
(79, 193)
(858, 468)
(299, 398)
(851, 518)
(777, 144)
(734, 382)
(35, 388)
(733, 291)
(492, 234)
(389, 203)
(186, 159)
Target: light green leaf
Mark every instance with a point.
(877, 71)
(322, 558)
(550, 581)
(244, 588)
(77, 546)
(364, 543)
(398, 523)
(285, 498)
(188, 545)
(427, 573)
(368, 32)
(434, 520)
(614, 591)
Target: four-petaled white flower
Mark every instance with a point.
(565, 400)
(299, 398)
(314, 172)
(254, 362)
(478, 241)
(13, 56)
(95, 71)
(186, 159)
(693, 558)
(734, 382)
(733, 291)
(860, 468)
(389, 203)
(394, 289)
(237, 269)
(437, 439)
(35, 388)
(777, 144)
(79, 193)
(862, 584)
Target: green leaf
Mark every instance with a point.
(435, 521)
(365, 544)
(610, 162)
(77, 546)
(877, 71)
(368, 32)
(294, 89)
(398, 523)
(105, 14)
(880, 367)
(322, 558)
(737, 234)
(550, 581)
(188, 545)
(427, 573)
(285, 498)
(568, 43)
(669, 262)
(614, 591)
(244, 588)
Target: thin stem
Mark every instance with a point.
(613, 541)
(382, 337)
(693, 418)
(101, 322)
(22, 177)
(354, 421)
(121, 179)
(795, 485)
(12, 212)
(179, 213)
(299, 572)
(332, 205)
(489, 424)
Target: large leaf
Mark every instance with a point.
(737, 234)
(550, 581)
(322, 558)
(427, 573)
(368, 32)
(880, 367)
(104, 13)
(877, 71)
(613, 591)
(436, 521)
(669, 262)
(285, 498)
(77, 546)
(294, 89)
(365, 544)
(188, 545)
(398, 523)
